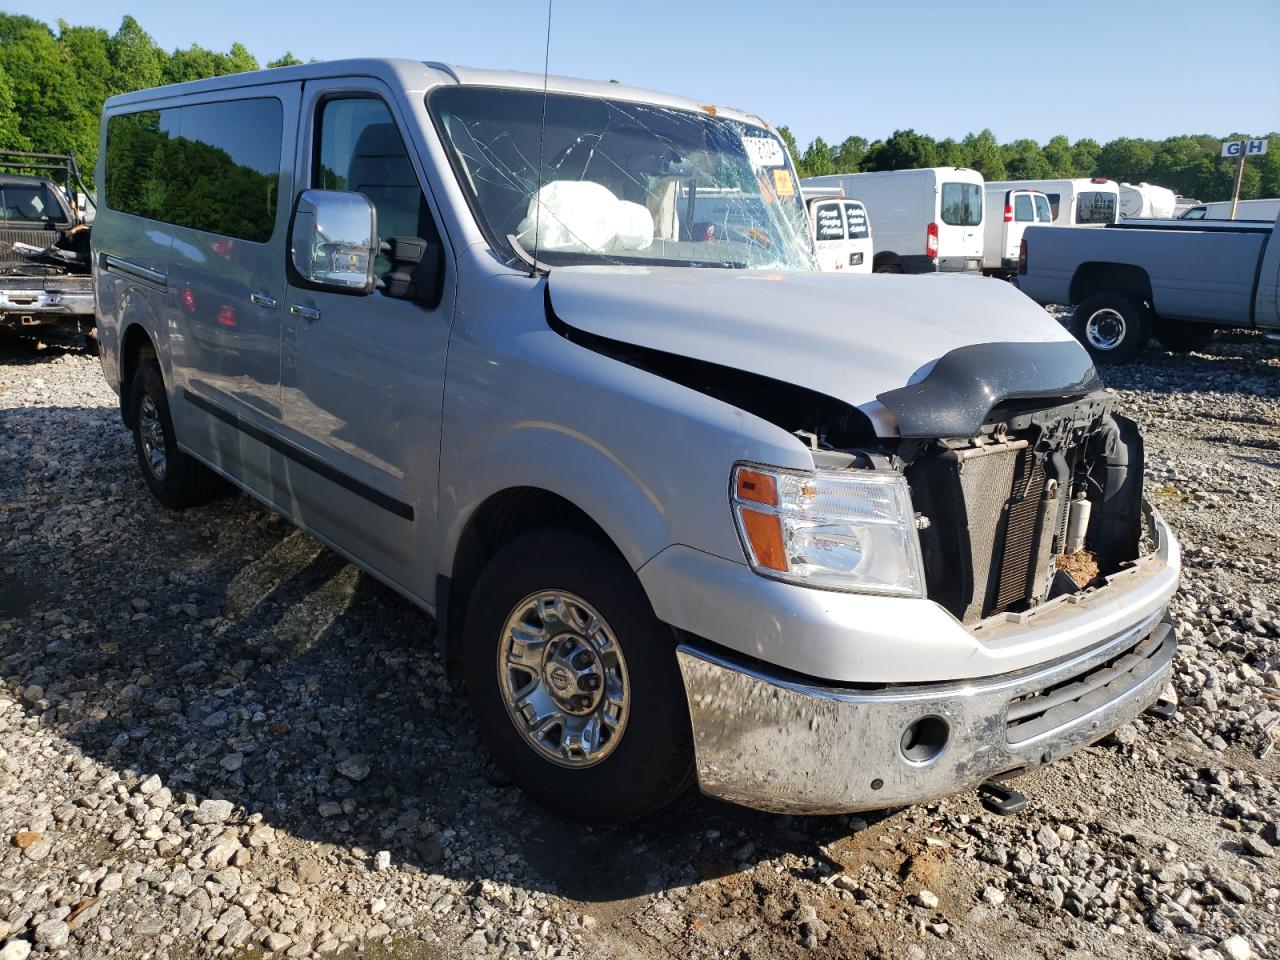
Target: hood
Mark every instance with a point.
(853, 337)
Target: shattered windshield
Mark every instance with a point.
(623, 182)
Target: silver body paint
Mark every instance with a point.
(436, 411)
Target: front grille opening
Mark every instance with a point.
(1034, 714)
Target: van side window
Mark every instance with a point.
(209, 166)
(1022, 208)
(1055, 199)
(359, 148)
(1043, 214)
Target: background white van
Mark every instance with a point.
(1075, 203)
(1009, 213)
(926, 220)
(1221, 210)
(841, 233)
(1146, 201)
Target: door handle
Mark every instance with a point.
(306, 313)
(262, 300)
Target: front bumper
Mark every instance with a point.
(790, 746)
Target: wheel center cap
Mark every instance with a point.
(560, 679)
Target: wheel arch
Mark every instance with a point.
(133, 345)
(1122, 279)
(498, 520)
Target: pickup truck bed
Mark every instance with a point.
(1180, 280)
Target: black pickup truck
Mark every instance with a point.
(45, 279)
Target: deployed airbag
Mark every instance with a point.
(580, 216)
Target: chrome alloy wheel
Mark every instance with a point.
(151, 430)
(1105, 329)
(563, 678)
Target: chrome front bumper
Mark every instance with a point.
(795, 747)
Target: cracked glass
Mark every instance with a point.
(623, 182)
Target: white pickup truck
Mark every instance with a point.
(1177, 279)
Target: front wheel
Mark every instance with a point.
(573, 681)
(1113, 328)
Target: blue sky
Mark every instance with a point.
(1147, 68)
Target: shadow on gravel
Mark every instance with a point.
(1233, 362)
(18, 347)
(237, 658)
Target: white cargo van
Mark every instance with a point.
(1018, 209)
(927, 220)
(1075, 203)
(1221, 210)
(841, 233)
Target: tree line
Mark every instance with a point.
(1189, 165)
(53, 84)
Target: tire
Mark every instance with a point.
(1182, 336)
(1113, 328)
(648, 760)
(887, 266)
(177, 480)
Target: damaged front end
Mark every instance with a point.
(1039, 504)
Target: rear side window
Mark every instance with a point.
(961, 204)
(1096, 207)
(31, 202)
(1055, 200)
(856, 215)
(213, 167)
(827, 224)
(1023, 211)
(1043, 213)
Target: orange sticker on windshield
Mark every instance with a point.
(783, 184)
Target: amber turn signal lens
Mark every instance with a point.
(756, 487)
(764, 531)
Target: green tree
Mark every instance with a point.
(848, 156)
(1126, 159)
(86, 51)
(952, 153)
(196, 63)
(43, 84)
(905, 150)
(817, 160)
(1084, 157)
(10, 135)
(288, 60)
(984, 155)
(1269, 168)
(1058, 154)
(1023, 160)
(136, 61)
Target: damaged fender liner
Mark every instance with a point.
(965, 384)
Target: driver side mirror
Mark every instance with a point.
(333, 241)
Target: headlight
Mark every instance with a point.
(838, 529)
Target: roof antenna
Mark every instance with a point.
(542, 135)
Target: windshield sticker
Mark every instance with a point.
(783, 185)
(764, 151)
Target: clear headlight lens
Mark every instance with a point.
(838, 529)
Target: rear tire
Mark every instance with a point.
(1112, 327)
(887, 266)
(176, 479)
(573, 611)
(1182, 336)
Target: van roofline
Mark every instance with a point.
(420, 75)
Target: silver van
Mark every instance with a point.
(556, 364)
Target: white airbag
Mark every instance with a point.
(583, 216)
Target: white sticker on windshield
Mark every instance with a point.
(764, 151)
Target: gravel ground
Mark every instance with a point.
(217, 739)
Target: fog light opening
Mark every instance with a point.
(925, 739)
